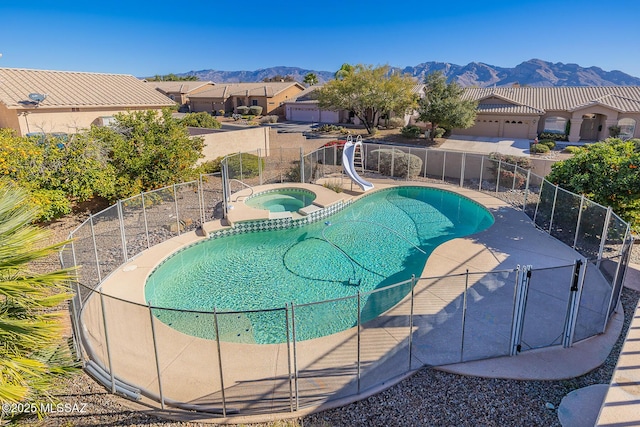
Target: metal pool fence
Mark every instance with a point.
(133, 351)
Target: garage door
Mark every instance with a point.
(516, 129)
(298, 114)
(484, 127)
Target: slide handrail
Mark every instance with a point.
(348, 166)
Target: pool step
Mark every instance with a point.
(309, 209)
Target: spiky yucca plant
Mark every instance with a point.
(30, 327)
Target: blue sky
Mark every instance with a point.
(161, 37)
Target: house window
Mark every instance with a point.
(627, 128)
(254, 102)
(555, 125)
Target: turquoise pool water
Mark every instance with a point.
(283, 200)
(369, 245)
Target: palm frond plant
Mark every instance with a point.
(31, 350)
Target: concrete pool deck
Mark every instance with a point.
(326, 365)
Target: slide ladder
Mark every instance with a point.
(349, 162)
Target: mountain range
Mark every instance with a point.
(534, 72)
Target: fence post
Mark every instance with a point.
(241, 172)
(575, 239)
(603, 240)
(108, 347)
(573, 304)
(122, 231)
(535, 213)
(519, 308)
(426, 156)
(225, 188)
(146, 224)
(464, 313)
(260, 166)
(217, 331)
(201, 199)
(175, 202)
(408, 164)
(358, 347)
(498, 176)
(463, 165)
(95, 248)
(413, 285)
(393, 159)
(295, 355)
(444, 164)
(553, 209)
(286, 319)
(481, 171)
(155, 352)
(302, 180)
(526, 191)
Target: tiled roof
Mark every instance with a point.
(566, 98)
(245, 89)
(65, 89)
(508, 109)
(178, 87)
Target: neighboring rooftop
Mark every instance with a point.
(69, 89)
(621, 98)
(178, 86)
(267, 89)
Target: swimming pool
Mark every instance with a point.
(281, 200)
(379, 240)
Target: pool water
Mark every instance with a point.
(365, 247)
(284, 200)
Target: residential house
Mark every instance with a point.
(227, 97)
(305, 108)
(179, 91)
(65, 101)
(568, 113)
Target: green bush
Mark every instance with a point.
(255, 110)
(554, 136)
(395, 123)
(405, 165)
(200, 120)
(439, 133)
(549, 143)
(523, 162)
(571, 149)
(411, 131)
(243, 166)
(51, 204)
(243, 110)
(539, 148)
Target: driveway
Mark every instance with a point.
(486, 145)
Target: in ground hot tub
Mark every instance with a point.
(281, 200)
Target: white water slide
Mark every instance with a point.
(347, 163)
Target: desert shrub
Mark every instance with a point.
(395, 123)
(269, 119)
(411, 131)
(549, 143)
(330, 128)
(221, 112)
(333, 185)
(523, 162)
(539, 148)
(553, 136)
(242, 110)
(571, 149)
(405, 165)
(200, 120)
(439, 132)
(245, 163)
(255, 110)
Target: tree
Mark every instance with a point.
(344, 71)
(443, 105)
(370, 93)
(172, 78)
(607, 173)
(311, 79)
(31, 355)
(149, 150)
(279, 78)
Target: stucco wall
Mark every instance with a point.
(62, 120)
(246, 140)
